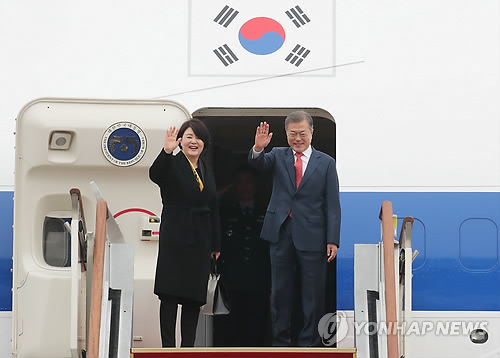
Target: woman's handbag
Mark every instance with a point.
(216, 303)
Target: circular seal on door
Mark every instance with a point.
(124, 144)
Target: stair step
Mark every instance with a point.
(243, 353)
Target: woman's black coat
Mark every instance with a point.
(189, 229)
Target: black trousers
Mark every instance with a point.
(168, 317)
(311, 266)
(248, 323)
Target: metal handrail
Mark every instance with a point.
(78, 231)
(390, 278)
(76, 192)
(97, 279)
(405, 228)
(82, 227)
(405, 284)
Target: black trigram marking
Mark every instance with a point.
(225, 55)
(226, 16)
(298, 54)
(297, 16)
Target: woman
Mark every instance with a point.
(189, 230)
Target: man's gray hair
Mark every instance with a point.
(298, 116)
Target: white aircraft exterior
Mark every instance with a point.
(407, 96)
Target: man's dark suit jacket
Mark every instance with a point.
(314, 205)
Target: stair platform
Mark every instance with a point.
(243, 353)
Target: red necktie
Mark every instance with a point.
(298, 168)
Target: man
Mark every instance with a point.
(302, 224)
(245, 271)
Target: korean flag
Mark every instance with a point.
(261, 37)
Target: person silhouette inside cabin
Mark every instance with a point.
(245, 265)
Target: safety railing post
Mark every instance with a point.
(97, 280)
(390, 277)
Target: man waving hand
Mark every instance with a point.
(302, 224)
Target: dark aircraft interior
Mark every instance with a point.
(232, 133)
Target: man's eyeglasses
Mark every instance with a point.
(295, 134)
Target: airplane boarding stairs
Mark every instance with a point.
(383, 290)
(102, 264)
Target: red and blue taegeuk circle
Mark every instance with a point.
(262, 35)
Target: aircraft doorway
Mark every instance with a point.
(233, 131)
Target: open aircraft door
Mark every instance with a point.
(232, 133)
(63, 144)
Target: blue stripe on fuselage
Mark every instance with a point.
(440, 281)
(446, 275)
(6, 220)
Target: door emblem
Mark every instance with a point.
(124, 144)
